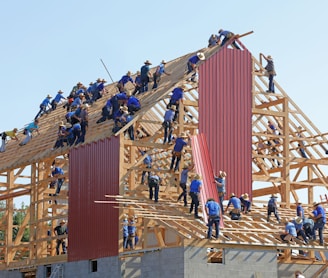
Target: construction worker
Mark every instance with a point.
(273, 208)
(61, 229)
(12, 134)
(213, 213)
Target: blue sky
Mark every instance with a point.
(51, 45)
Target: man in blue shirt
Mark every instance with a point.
(168, 124)
(137, 83)
(213, 40)
(105, 112)
(145, 75)
(133, 105)
(153, 184)
(319, 219)
(290, 232)
(180, 142)
(300, 210)
(124, 80)
(227, 35)
(235, 212)
(132, 233)
(57, 173)
(273, 208)
(213, 213)
(298, 223)
(193, 60)
(195, 187)
(183, 182)
(28, 130)
(221, 186)
(147, 162)
(176, 97)
(43, 107)
(125, 232)
(158, 73)
(57, 99)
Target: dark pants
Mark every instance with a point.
(271, 83)
(157, 78)
(43, 110)
(183, 194)
(144, 83)
(144, 173)
(63, 244)
(214, 219)
(167, 131)
(105, 115)
(153, 192)
(275, 211)
(194, 203)
(319, 225)
(59, 185)
(176, 156)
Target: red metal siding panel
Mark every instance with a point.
(93, 228)
(203, 166)
(225, 111)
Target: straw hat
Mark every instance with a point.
(147, 62)
(124, 109)
(173, 107)
(298, 202)
(245, 196)
(269, 57)
(49, 96)
(183, 135)
(85, 106)
(68, 125)
(222, 174)
(98, 80)
(184, 87)
(163, 62)
(232, 195)
(60, 92)
(186, 165)
(197, 177)
(274, 195)
(201, 56)
(315, 204)
(61, 123)
(128, 73)
(138, 72)
(62, 222)
(298, 220)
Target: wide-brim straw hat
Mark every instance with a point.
(68, 125)
(232, 195)
(49, 96)
(163, 62)
(274, 195)
(201, 56)
(197, 177)
(298, 220)
(315, 204)
(183, 135)
(245, 196)
(147, 62)
(222, 174)
(62, 222)
(298, 202)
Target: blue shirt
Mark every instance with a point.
(147, 160)
(169, 115)
(45, 102)
(31, 127)
(100, 86)
(195, 186)
(184, 175)
(76, 126)
(179, 144)
(290, 229)
(131, 229)
(125, 79)
(212, 41)
(224, 33)
(235, 202)
(58, 97)
(121, 96)
(133, 101)
(194, 59)
(213, 208)
(77, 102)
(221, 189)
(125, 228)
(57, 171)
(137, 80)
(160, 69)
(108, 103)
(144, 70)
(300, 211)
(177, 94)
(320, 210)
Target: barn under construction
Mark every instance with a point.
(226, 113)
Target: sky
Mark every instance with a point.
(48, 46)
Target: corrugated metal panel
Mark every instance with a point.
(225, 111)
(203, 166)
(93, 228)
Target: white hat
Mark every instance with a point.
(201, 56)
